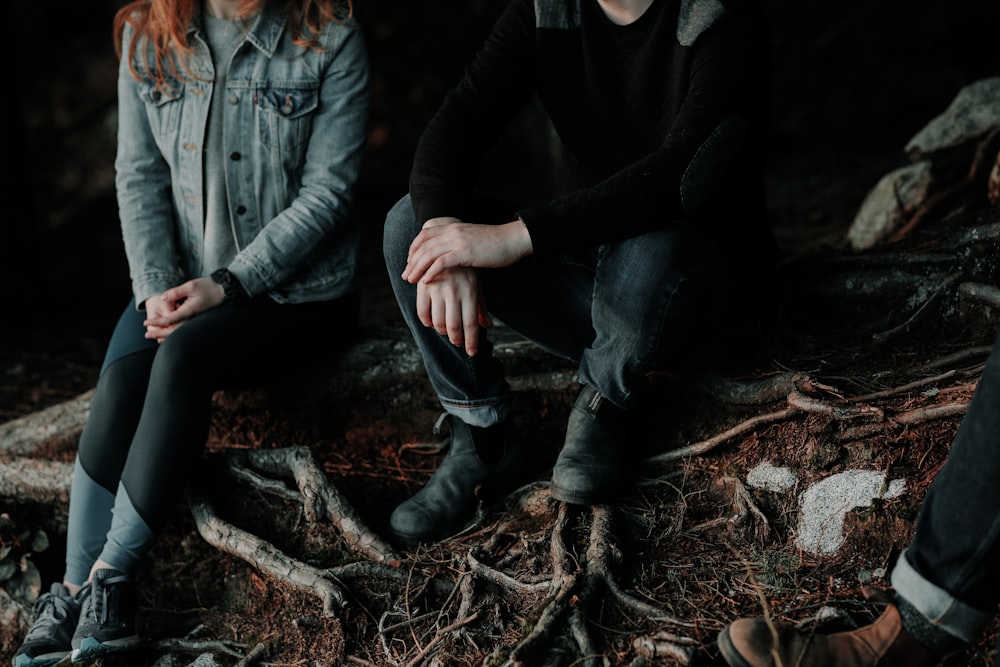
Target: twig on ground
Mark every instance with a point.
(255, 656)
(959, 357)
(705, 446)
(917, 384)
(442, 634)
(181, 645)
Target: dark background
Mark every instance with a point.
(853, 81)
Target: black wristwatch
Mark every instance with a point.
(230, 286)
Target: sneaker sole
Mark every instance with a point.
(91, 649)
(39, 660)
(729, 652)
(576, 498)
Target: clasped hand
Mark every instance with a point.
(169, 310)
(442, 260)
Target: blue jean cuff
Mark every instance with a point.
(938, 606)
(478, 413)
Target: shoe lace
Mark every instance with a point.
(102, 599)
(50, 610)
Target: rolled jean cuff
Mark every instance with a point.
(484, 413)
(938, 606)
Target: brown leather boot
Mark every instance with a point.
(884, 643)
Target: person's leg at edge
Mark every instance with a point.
(946, 582)
(101, 453)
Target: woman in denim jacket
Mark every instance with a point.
(241, 127)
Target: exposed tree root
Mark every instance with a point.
(743, 509)
(923, 311)
(576, 591)
(838, 409)
(653, 649)
(320, 499)
(986, 294)
(62, 422)
(45, 482)
(266, 557)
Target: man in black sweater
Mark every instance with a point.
(657, 253)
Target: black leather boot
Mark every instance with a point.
(450, 498)
(590, 469)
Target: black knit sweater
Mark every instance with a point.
(661, 121)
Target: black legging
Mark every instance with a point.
(151, 410)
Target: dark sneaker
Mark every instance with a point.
(107, 620)
(449, 499)
(590, 469)
(49, 639)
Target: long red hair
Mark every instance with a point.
(164, 25)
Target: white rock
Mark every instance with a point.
(825, 504)
(771, 478)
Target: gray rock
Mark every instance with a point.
(974, 112)
(885, 208)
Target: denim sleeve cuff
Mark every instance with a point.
(150, 285)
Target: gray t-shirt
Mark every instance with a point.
(223, 35)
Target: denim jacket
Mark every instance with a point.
(294, 128)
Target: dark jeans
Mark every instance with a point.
(620, 310)
(951, 569)
(150, 414)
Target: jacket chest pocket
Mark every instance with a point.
(285, 115)
(163, 108)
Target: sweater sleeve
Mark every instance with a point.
(496, 85)
(723, 116)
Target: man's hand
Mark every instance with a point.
(446, 243)
(167, 311)
(453, 306)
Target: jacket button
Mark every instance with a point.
(241, 209)
(235, 156)
(233, 99)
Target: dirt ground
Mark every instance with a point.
(672, 542)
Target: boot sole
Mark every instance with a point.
(577, 498)
(729, 652)
(414, 540)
